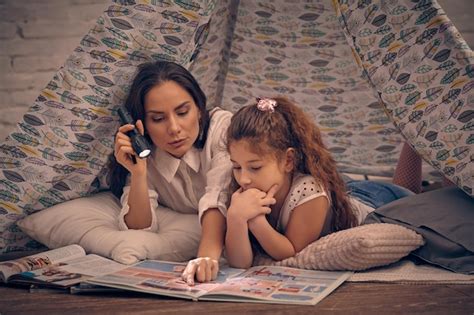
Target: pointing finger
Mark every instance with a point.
(189, 272)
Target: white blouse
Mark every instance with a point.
(192, 184)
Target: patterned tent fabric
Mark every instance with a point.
(423, 72)
(348, 68)
(59, 150)
(298, 49)
(212, 56)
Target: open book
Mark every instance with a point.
(263, 284)
(59, 268)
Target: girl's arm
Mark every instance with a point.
(237, 243)
(244, 206)
(304, 227)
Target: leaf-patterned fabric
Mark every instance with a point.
(298, 49)
(423, 72)
(60, 149)
(332, 63)
(363, 69)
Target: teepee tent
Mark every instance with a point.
(372, 73)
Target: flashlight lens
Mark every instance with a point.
(144, 153)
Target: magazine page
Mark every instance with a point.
(40, 260)
(160, 277)
(86, 288)
(69, 272)
(280, 285)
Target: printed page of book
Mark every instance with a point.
(40, 260)
(160, 277)
(69, 272)
(279, 285)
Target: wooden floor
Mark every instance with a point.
(350, 298)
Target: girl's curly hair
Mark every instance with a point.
(289, 127)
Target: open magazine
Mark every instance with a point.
(262, 284)
(59, 268)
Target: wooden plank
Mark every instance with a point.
(350, 298)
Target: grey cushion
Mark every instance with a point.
(445, 218)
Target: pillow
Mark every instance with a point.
(357, 248)
(92, 223)
(445, 219)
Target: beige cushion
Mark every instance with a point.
(92, 223)
(357, 248)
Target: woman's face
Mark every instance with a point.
(171, 118)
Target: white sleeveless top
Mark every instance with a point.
(305, 188)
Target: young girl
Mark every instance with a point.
(290, 191)
(188, 170)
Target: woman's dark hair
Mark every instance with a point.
(148, 76)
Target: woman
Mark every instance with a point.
(189, 170)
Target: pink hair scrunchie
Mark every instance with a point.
(266, 104)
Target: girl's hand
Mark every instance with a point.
(123, 151)
(204, 269)
(250, 203)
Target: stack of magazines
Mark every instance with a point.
(70, 268)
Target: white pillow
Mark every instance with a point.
(92, 223)
(358, 248)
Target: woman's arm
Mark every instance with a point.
(206, 266)
(212, 237)
(213, 203)
(139, 215)
(304, 226)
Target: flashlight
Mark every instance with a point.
(139, 143)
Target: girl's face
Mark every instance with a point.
(253, 170)
(171, 118)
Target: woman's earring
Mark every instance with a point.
(200, 136)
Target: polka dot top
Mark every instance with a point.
(303, 189)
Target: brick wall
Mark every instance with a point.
(35, 39)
